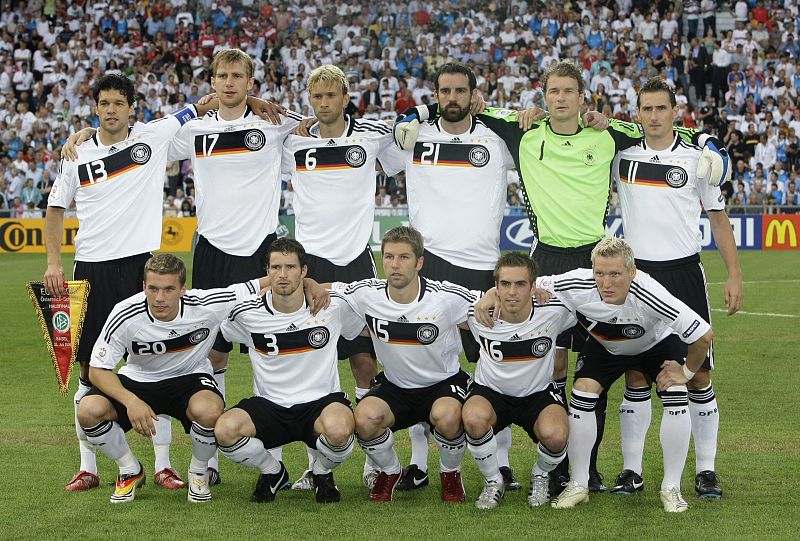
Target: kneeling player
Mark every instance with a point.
(296, 379)
(634, 324)
(514, 381)
(166, 333)
(412, 323)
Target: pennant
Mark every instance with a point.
(61, 320)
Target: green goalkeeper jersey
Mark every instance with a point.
(566, 179)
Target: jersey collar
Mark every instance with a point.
(676, 142)
(96, 139)
(423, 284)
(349, 126)
(438, 120)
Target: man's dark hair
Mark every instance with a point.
(455, 67)
(287, 246)
(114, 82)
(517, 259)
(656, 84)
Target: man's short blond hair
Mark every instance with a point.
(164, 263)
(232, 56)
(328, 73)
(614, 247)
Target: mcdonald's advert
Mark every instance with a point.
(780, 232)
(26, 236)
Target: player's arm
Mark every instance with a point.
(140, 414)
(726, 244)
(673, 373)
(53, 231)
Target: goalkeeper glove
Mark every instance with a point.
(406, 127)
(715, 160)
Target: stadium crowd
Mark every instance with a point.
(741, 84)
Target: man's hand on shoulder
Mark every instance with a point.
(69, 151)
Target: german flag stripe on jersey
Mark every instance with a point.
(610, 332)
(652, 174)
(401, 333)
(226, 143)
(451, 155)
(291, 342)
(330, 158)
(114, 165)
(171, 345)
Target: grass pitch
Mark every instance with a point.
(756, 383)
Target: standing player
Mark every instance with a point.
(164, 334)
(295, 378)
(456, 184)
(565, 173)
(412, 323)
(514, 381)
(634, 324)
(116, 183)
(333, 175)
(661, 202)
(237, 188)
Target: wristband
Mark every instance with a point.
(688, 373)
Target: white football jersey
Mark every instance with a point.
(158, 350)
(417, 343)
(650, 312)
(118, 190)
(661, 199)
(456, 186)
(334, 186)
(237, 180)
(516, 359)
(293, 355)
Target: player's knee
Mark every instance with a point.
(447, 420)
(476, 422)
(92, 410)
(227, 430)
(367, 420)
(554, 436)
(701, 380)
(634, 378)
(205, 411)
(338, 432)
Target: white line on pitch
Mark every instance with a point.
(770, 314)
(758, 282)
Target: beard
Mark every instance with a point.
(455, 114)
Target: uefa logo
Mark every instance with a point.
(355, 156)
(318, 337)
(541, 346)
(198, 336)
(140, 153)
(426, 334)
(254, 140)
(478, 156)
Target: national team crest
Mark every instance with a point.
(632, 331)
(589, 156)
(426, 334)
(541, 346)
(677, 177)
(254, 140)
(318, 337)
(140, 153)
(198, 336)
(355, 156)
(478, 156)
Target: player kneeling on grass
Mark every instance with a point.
(634, 323)
(296, 379)
(514, 380)
(167, 333)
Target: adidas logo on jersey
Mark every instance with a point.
(514, 338)
(567, 144)
(402, 319)
(455, 140)
(291, 327)
(172, 334)
(330, 143)
(655, 159)
(112, 150)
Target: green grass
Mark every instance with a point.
(758, 451)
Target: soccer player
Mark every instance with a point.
(565, 171)
(661, 200)
(514, 381)
(412, 323)
(333, 175)
(456, 184)
(634, 323)
(116, 184)
(295, 378)
(164, 334)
